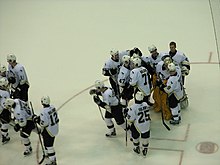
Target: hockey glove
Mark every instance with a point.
(125, 112)
(36, 119)
(11, 80)
(162, 86)
(159, 83)
(92, 91)
(137, 51)
(113, 71)
(185, 71)
(17, 127)
(97, 100)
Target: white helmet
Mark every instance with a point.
(11, 57)
(99, 84)
(136, 62)
(45, 100)
(126, 59)
(167, 60)
(3, 82)
(3, 69)
(113, 52)
(152, 48)
(171, 67)
(139, 96)
(8, 103)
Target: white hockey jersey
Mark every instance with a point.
(174, 85)
(111, 64)
(3, 96)
(49, 120)
(123, 76)
(109, 97)
(22, 112)
(161, 71)
(140, 115)
(19, 73)
(179, 57)
(139, 78)
(155, 61)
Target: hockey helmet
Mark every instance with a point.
(3, 82)
(8, 103)
(113, 52)
(136, 62)
(126, 59)
(45, 100)
(166, 59)
(11, 58)
(139, 96)
(152, 48)
(99, 84)
(3, 69)
(171, 67)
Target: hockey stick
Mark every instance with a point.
(126, 126)
(101, 112)
(38, 132)
(162, 116)
(165, 125)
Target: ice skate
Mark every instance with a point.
(111, 133)
(28, 151)
(5, 139)
(137, 150)
(144, 152)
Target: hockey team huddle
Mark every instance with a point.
(16, 112)
(135, 80)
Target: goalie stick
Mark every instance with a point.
(165, 125)
(38, 132)
(162, 116)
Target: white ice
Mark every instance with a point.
(63, 45)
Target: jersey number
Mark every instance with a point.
(144, 116)
(54, 119)
(144, 76)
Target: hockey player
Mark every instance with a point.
(126, 91)
(49, 121)
(111, 69)
(23, 117)
(180, 59)
(4, 113)
(174, 90)
(154, 59)
(111, 104)
(162, 77)
(3, 71)
(18, 79)
(139, 117)
(140, 80)
(183, 61)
